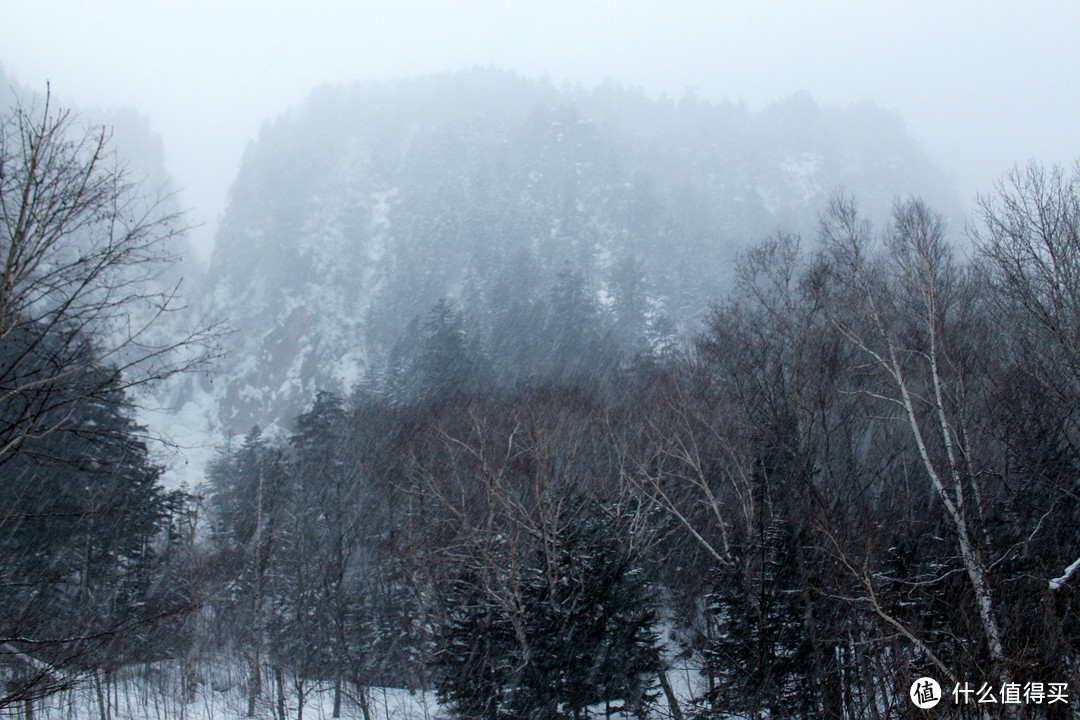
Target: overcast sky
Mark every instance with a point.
(981, 85)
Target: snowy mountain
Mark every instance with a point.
(354, 215)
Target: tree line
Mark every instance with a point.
(862, 470)
(89, 538)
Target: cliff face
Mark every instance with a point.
(355, 215)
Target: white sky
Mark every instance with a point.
(982, 85)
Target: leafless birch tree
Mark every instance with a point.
(898, 307)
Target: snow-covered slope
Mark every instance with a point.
(354, 215)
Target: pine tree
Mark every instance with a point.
(476, 653)
(249, 497)
(760, 656)
(598, 625)
(589, 626)
(314, 602)
(80, 514)
(573, 331)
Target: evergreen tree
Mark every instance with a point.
(80, 514)
(576, 338)
(630, 289)
(760, 655)
(249, 498)
(589, 625)
(445, 364)
(437, 358)
(476, 653)
(314, 602)
(597, 627)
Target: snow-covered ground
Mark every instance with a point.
(154, 692)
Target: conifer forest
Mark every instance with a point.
(519, 400)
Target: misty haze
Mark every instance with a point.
(623, 361)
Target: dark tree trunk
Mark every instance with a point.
(299, 685)
(362, 694)
(673, 702)
(254, 684)
(279, 680)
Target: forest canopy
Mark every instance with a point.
(558, 469)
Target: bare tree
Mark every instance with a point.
(542, 543)
(83, 255)
(83, 250)
(902, 310)
(1029, 231)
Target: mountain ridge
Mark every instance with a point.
(356, 213)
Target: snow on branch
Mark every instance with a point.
(1058, 582)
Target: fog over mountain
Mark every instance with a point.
(354, 215)
(563, 361)
(485, 194)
